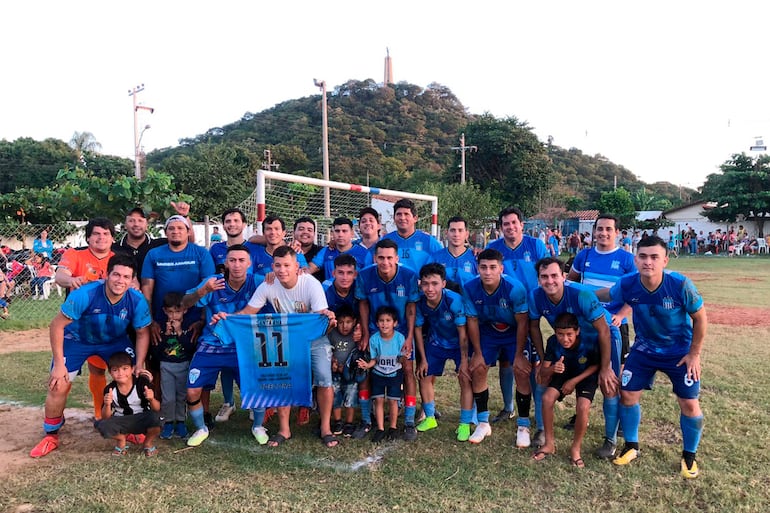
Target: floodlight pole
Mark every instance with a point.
(325, 137)
(463, 148)
(137, 160)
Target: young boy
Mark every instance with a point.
(387, 376)
(175, 350)
(130, 407)
(345, 390)
(570, 365)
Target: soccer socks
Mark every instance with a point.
(523, 405)
(506, 387)
(630, 416)
(197, 417)
(466, 416)
(429, 409)
(692, 428)
(52, 425)
(410, 403)
(539, 390)
(482, 405)
(366, 406)
(259, 417)
(610, 409)
(227, 377)
(96, 384)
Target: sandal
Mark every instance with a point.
(330, 440)
(277, 440)
(150, 451)
(119, 451)
(541, 455)
(577, 462)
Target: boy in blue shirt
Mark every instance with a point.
(670, 326)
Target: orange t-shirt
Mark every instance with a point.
(81, 262)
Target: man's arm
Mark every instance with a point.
(692, 358)
(411, 316)
(422, 368)
(211, 285)
(64, 279)
(142, 348)
(520, 363)
(608, 381)
(573, 275)
(474, 337)
(536, 335)
(148, 287)
(363, 314)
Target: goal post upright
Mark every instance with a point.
(263, 174)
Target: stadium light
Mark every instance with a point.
(325, 143)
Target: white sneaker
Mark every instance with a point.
(260, 434)
(522, 437)
(482, 431)
(198, 437)
(223, 415)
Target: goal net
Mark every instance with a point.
(291, 197)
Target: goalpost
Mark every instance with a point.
(290, 197)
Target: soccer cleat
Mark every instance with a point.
(198, 437)
(362, 430)
(260, 434)
(689, 473)
(427, 424)
(392, 434)
(463, 432)
(522, 437)
(337, 427)
(46, 445)
(607, 450)
(181, 429)
(223, 415)
(168, 431)
(208, 420)
(539, 439)
(348, 429)
(482, 431)
(628, 455)
(378, 436)
(410, 433)
(503, 415)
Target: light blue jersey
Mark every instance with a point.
(440, 323)
(520, 262)
(262, 261)
(662, 320)
(324, 259)
(600, 270)
(398, 292)
(387, 354)
(414, 251)
(460, 269)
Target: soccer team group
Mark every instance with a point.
(399, 306)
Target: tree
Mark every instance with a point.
(740, 191)
(619, 204)
(85, 141)
(469, 201)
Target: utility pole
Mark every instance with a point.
(325, 137)
(137, 160)
(463, 149)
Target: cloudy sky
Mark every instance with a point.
(667, 89)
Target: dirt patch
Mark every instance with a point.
(738, 315)
(29, 340)
(701, 276)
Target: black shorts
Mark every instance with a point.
(389, 387)
(137, 424)
(586, 388)
(625, 343)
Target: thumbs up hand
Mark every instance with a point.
(558, 367)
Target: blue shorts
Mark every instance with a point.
(345, 392)
(76, 353)
(437, 356)
(389, 387)
(505, 351)
(321, 362)
(640, 368)
(205, 368)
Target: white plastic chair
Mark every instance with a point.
(761, 245)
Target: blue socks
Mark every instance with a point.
(610, 409)
(692, 428)
(630, 416)
(466, 416)
(539, 390)
(227, 377)
(506, 387)
(197, 418)
(259, 417)
(429, 409)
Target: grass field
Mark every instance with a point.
(230, 472)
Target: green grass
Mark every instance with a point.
(29, 314)
(230, 472)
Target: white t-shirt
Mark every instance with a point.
(305, 297)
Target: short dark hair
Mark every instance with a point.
(545, 262)
(345, 310)
(386, 310)
(304, 219)
(369, 210)
(172, 299)
(384, 244)
(433, 268)
(121, 259)
(405, 203)
(272, 219)
(508, 211)
(238, 247)
(282, 251)
(490, 254)
(566, 320)
(342, 220)
(609, 216)
(119, 359)
(457, 219)
(345, 259)
(234, 210)
(101, 222)
(652, 240)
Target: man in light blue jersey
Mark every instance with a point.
(496, 311)
(93, 321)
(520, 252)
(440, 335)
(342, 244)
(274, 233)
(670, 325)
(457, 258)
(553, 298)
(389, 284)
(218, 293)
(414, 246)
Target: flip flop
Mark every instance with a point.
(577, 462)
(541, 455)
(277, 440)
(330, 440)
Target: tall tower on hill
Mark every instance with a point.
(388, 69)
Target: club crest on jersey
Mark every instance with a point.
(123, 314)
(503, 303)
(615, 265)
(193, 375)
(527, 256)
(668, 303)
(418, 246)
(400, 291)
(447, 316)
(625, 378)
(467, 267)
(582, 360)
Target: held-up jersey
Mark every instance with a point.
(662, 320)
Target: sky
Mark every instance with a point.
(669, 90)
